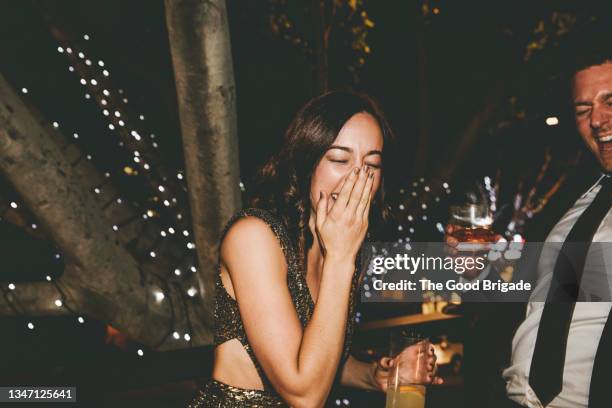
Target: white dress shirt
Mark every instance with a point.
(587, 323)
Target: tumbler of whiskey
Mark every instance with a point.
(471, 226)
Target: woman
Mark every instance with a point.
(289, 267)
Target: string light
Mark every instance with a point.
(48, 277)
(58, 302)
(81, 55)
(86, 37)
(30, 325)
(193, 269)
(80, 319)
(153, 254)
(187, 337)
(24, 90)
(55, 125)
(192, 291)
(176, 335)
(159, 296)
(101, 63)
(11, 286)
(13, 204)
(177, 272)
(60, 50)
(140, 352)
(87, 62)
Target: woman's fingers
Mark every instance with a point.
(360, 184)
(321, 212)
(366, 197)
(345, 192)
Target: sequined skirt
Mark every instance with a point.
(216, 394)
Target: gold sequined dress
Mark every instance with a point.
(228, 324)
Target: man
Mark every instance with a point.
(561, 349)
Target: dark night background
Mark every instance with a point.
(440, 68)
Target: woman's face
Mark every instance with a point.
(359, 143)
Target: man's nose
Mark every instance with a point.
(599, 117)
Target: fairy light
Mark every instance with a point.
(103, 102)
(105, 112)
(179, 176)
(186, 233)
(176, 335)
(88, 62)
(105, 73)
(146, 166)
(161, 189)
(192, 291)
(81, 55)
(48, 278)
(141, 117)
(117, 114)
(552, 121)
(190, 245)
(71, 68)
(60, 50)
(115, 228)
(187, 337)
(163, 233)
(55, 125)
(75, 135)
(30, 325)
(11, 286)
(111, 126)
(193, 269)
(83, 81)
(24, 90)
(101, 63)
(80, 319)
(69, 50)
(177, 272)
(152, 254)
(58, 302)
(121, 123)
(167, 203)
(34, 226)
(13, 204)
(159, 296)
(86, 37)
(140, 352)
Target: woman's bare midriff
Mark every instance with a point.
(233, 365)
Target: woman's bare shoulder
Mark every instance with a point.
(250, 240)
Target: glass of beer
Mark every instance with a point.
(403, 391)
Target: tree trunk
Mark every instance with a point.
(102, 279)
(201, 55)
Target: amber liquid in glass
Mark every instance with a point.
(406, 396)
(473, 234)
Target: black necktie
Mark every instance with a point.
(546, 373)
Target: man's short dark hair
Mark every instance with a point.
(589, 46)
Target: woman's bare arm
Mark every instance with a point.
(300, 363)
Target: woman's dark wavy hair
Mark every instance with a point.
(283, 183)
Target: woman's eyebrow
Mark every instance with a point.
(348, 149)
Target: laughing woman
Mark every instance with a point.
(289, 267)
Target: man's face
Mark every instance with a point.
(592, 94)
